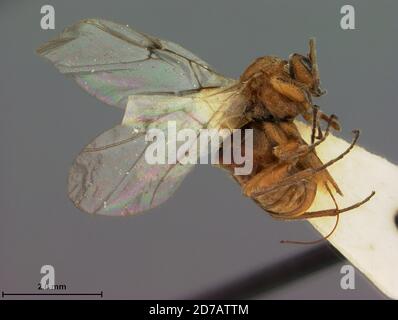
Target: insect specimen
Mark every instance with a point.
(157, 81)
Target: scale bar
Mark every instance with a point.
(98, 294)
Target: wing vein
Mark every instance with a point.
(111, 145)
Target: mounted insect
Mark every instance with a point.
(158, 81)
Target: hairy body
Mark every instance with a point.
(286, 170)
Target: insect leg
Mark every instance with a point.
(332, 212)
(335, 122)
(320, 134)
(307, 173)
(301, 150)
(330, 233)
(315, 123)
(321, 139)
(321, 115)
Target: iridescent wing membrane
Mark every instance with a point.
(112, 176)
(112, 61)
(158, 81)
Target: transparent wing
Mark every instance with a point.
(111, 175)
(112, 61)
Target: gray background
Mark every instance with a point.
(207, 234)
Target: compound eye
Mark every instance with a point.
(300, 68)
(307, 64)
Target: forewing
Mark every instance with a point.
(111, 175)
(113, 61)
